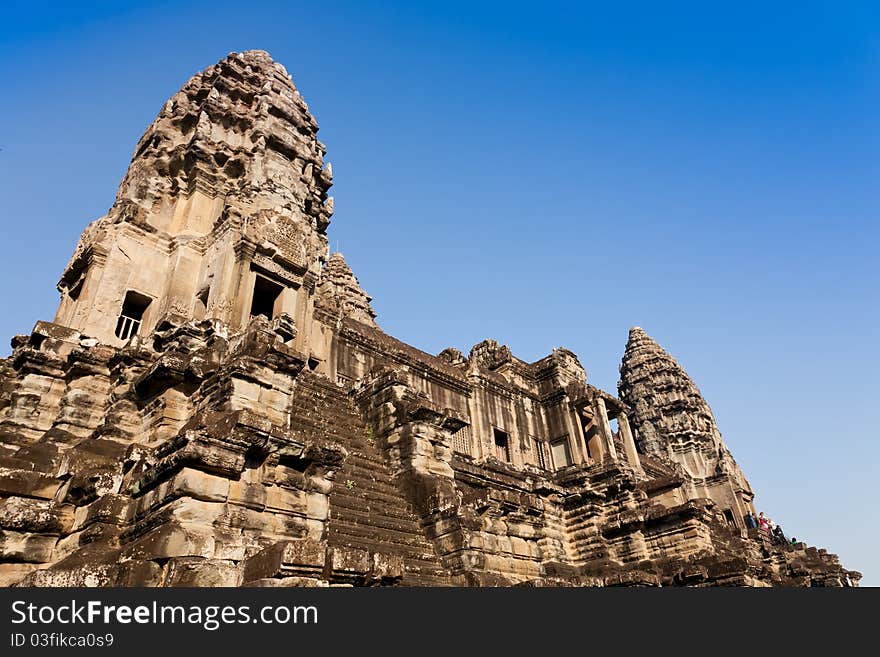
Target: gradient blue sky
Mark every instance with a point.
(545, 174)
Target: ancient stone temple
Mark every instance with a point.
(215, 404)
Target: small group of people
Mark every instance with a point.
(766, 524)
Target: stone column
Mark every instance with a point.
(180, 289)
(629, 445)
(478, 450)
(580, 437)
(605, 429)
(80, 312)
(303, 309)
(287, 303)
(575, 434)
(242, 283)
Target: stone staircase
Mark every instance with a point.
(367, 510)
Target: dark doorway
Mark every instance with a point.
(266, 294)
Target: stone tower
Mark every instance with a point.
(340, 295)
(671, 420)
(215, 404)
(223, 212)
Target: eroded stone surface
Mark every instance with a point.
(215, 405)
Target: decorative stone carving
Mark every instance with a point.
(340, 295)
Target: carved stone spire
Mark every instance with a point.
(339, 293)
(238, 129)
(228, 183)
(671, 420)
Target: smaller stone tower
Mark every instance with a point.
(340, 295)
(671, 420)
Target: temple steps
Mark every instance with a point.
(367, 510)
(373, 506)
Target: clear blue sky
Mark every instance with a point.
(547, 175)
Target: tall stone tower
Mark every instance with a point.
(671, 420)
(222, 214)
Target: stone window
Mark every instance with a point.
(461, 440)
(540, 456)
(560, 452)
(502, 445)
(132, 314)
(267, 295)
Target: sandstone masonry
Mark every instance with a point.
(215, 404)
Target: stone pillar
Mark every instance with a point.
(478, 450)
(303, 309)
(242, 283)
(287, 303)
(575, 433)
(580, 437)
(77, 315)
(629, 445)
(605, 429)
(180, 289)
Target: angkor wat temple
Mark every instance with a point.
(214, 404)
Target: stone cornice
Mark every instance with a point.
(402, 354)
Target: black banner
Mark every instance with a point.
(118, 621)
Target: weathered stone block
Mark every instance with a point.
(12, 573)
(200, 485)
(27, 483)
(171, 540)
(252, 496)
(131, 573)
(285, 500)
(305, 557)
(27, 547)
(34, 515)
(346, 565)
(191, 571)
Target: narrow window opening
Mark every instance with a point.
(132, 315)
(502, 445)
(728, 514)
(266, 294)
(560, 452)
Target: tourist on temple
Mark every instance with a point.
(778, 535)
(763, 523)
